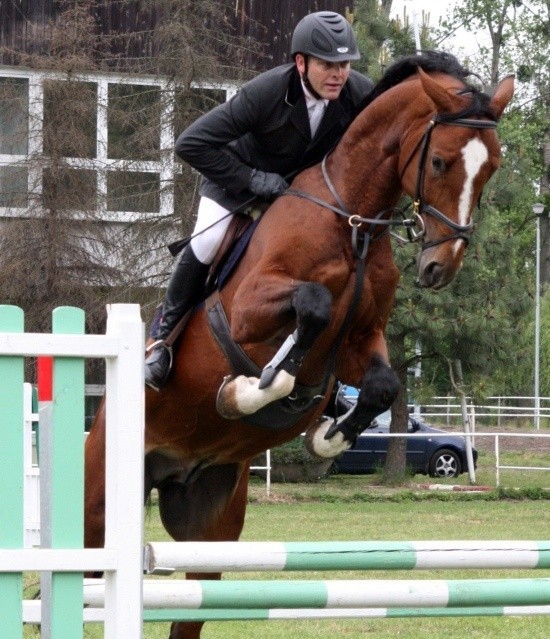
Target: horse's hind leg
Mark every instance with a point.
(211, 508)
(94, 482)
(311, 305)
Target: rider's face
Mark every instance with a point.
(326, 78)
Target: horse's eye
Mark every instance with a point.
(438, 164)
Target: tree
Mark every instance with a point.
(544, 345)
(519, 39)
(381, 39)
(477, 326)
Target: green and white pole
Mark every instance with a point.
(267, 594)
(167, 614)
(169, 557)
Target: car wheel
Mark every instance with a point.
(334, 470)
(444, 463)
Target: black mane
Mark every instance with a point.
(433, 62)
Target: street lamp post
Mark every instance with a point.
(538, 210)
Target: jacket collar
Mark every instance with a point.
(294, 92)
(296, 99)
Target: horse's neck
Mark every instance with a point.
(364, 166)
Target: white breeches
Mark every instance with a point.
(205, 245)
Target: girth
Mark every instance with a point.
(280, 414)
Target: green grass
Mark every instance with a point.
(347, 507)
(456, 518)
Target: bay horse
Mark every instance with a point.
(319, 250)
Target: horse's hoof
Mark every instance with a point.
(225, 400)
(316, 444)
(242, 396)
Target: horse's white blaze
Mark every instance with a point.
(474, 154)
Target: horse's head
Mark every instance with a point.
(444, 166)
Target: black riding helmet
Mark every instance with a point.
(325, 35)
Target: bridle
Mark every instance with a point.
(461, 231)
(419, 206)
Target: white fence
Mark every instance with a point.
(32, 473)
(498, 409)
(121, 558)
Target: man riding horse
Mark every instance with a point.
(283, 120)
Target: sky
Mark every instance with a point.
(437, 9)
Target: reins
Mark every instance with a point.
(355, 221)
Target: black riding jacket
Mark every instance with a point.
(265, 126)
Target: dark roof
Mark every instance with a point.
(25, 25)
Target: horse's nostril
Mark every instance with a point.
(433, 269)
(431, 275)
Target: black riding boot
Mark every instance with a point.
(183, 292)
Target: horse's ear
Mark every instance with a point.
(438, 94)
(502, 95)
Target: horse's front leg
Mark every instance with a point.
(311, 304)
(378, 391)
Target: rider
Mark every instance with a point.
(283, 120)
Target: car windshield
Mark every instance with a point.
(384, 419)
(383, 422)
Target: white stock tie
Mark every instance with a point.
(315, 113)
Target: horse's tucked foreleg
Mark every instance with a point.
(311, 303)
(378, 391)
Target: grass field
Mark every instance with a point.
(346, 507)
(386, 520)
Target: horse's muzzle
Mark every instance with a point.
(434, 272)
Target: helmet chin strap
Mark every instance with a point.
(307, 82)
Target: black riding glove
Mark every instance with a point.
(267, 185)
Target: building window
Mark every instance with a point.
(70, 119)
(69, 189)
(133, 191)
(134, 115)
(95, 144)
(14, 187)
(14, 116)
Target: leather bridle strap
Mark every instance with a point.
(341, 209)
(461, 231)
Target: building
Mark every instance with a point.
(90, 109)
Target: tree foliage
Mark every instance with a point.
(382, 40)
(484, 318)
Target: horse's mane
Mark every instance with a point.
(433, 62)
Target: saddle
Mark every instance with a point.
(226, 259)
(282, 413)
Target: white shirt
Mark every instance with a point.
(315, 110)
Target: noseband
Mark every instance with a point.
(460, 231)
